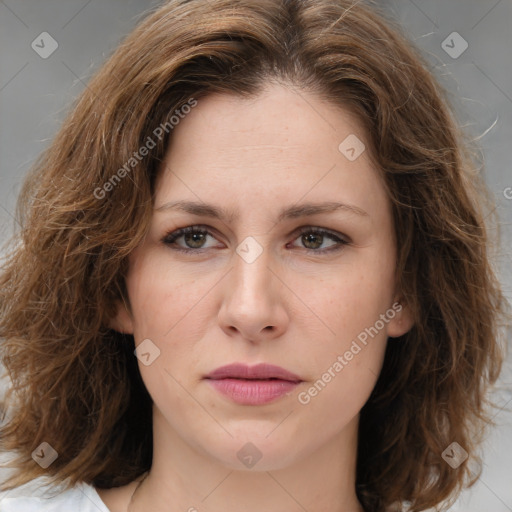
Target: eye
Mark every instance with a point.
(194, 238)
(313, 238)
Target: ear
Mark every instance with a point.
(402, 321)
(122, 321)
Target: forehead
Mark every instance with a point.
(278, 117)
(275, 148)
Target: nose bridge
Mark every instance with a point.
(251, 274)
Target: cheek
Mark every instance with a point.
(170, 308)
(345, 373)
(346, 301)
(164, 298)
(349, 305)
(331, 402)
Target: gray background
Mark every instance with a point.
(36, 93)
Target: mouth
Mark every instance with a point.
(253, 385)
(260, 371)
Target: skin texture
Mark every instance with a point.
(290, 307)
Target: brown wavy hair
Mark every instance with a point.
(75, 381)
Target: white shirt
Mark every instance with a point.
(81, 498)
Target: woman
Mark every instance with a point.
(252, 275)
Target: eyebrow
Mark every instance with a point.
(291, 212)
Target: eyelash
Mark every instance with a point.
(170, 239)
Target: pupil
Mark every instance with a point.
(311, 238)
(195, 240)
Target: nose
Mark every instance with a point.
(253, 305)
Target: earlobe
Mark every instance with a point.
(402, 322)
(122, 321)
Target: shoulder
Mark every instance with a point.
(43, 498)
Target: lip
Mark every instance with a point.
(253, 385)
(259, 371)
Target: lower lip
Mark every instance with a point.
(253, 392)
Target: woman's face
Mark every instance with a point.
(272, 277)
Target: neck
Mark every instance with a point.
(184, 478)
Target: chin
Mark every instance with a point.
(256, 451)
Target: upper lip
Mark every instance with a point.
(259, 371)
